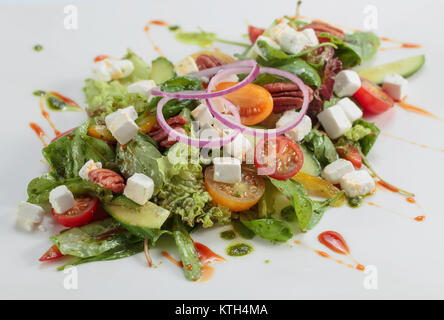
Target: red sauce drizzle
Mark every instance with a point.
(410, 200)
(39, 132)
(419, 218)
(206, 256)
(334, 241)
(147, 31)
(387, 186)
(100, 58)
(45, 114)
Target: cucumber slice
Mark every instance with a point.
(404, 67)
(162, 70)
(311, 165)
(144, 222)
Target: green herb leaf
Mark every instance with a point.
(271, 229)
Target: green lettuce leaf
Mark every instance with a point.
(39, 188)
(322, 147)
(142, 70)
(184, 193)
(92, 239)
(140, 156)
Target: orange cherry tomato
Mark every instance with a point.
(254, 102)
(239, 196)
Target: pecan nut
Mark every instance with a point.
(320, 27)
(286, 96)
(162, 138)
(107, 179)
(205, 61)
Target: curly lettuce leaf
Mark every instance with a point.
(184, 193)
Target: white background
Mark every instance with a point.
(408, 255)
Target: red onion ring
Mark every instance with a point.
(251, 131)
(201, 143)
(224, 69)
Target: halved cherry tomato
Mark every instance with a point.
(284, 161)
(53, 253)
(351, 154)
(62, 134)
(254, 102)
(239, 196)
(372, 98)
(82, 212)
(254, 33)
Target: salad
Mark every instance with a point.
(265, 141)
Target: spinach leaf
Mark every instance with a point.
(303, 206)
(140, 156)
(174, 106)
(124, 250)
(189, 256)
(355, 48)
(270, 229)
(92, 239)
(242, 230)
(69, 153)
(39, 188)
(266, 203)
(322, 147)
(319, 208)
(368, 141)
(367, 42)
(303, 70)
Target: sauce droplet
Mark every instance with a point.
(39, 132)
(410, 200)
(239, 249)
(100, 58)
(206, 255)
(334, 241)
(419, 218)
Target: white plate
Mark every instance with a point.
(407, 254)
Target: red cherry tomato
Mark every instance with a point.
(53, 253)
(351, 154)
(254, 33)
(372, 98)
(79, 215)
(280, 158)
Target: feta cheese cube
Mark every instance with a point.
(29, 215)
(203, 115)
(139, 188)
(142, 87)
(208, 132)
(347, 82)
(336, 170)
(300, 131)
(61, 199)
(293, 42)
(395, 85)
(334, 121)
(123, 128)
(357, 183)
(88, 167)
(267, 40)
(277, 31)
(227, 170)
(111, 69)
(186, 66)
(238, 148)
(130, 111)
(350, 109)
(311, 36)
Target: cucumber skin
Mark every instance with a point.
(311, 165)
(377, 74)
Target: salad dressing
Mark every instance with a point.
(39, 132)
(411, 108)
(418, 218)
(45, 114)
(335, 242)
(147, 32)
(411, 142)
(324, 254)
